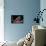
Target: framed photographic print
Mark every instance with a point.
(17, 19)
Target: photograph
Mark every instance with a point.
(17, 19)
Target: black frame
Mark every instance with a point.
(13, 18)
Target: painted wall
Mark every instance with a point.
(13, 32)
(43, 6)
(1, 20)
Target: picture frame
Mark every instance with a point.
(17, 19)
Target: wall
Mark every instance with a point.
(1, 20)
(13, 32)
(43, 6)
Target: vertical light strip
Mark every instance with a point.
(41, 4)
(1, 25)
(1, 20)
(41, 8)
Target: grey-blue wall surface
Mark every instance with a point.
(13, 32)
(42, 7)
